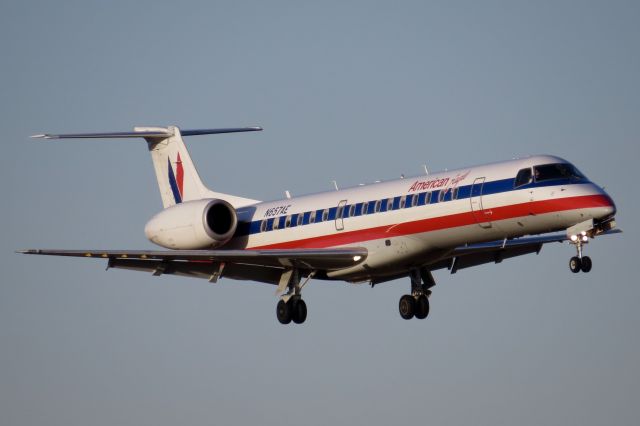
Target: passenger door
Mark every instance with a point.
(481, 216)
(340, 215)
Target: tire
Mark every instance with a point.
(283, 312)
(407, 306)
(586, 264)
(422, 307)
(575, 264)
(298, 311)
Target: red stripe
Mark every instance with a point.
(180, 176)
(446, 222)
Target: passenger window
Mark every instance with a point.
(263, 226)
(390, 204)
(300, 217)
(454, 193)
(339, 212)
(287, 222)
(523, 177)
(442, 194)
(414, 200)
(403, 200)
(427, 198)
(352, 210)
(275, 223)
(365, 208)
(377, 207)
(325, 215)
(312, 217)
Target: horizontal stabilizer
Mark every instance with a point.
(147, 133)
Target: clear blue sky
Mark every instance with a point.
(346, 91)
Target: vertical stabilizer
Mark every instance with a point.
(178, 179)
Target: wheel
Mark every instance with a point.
(298, 311)
(575, 264)
(407, 306)
(283, 312)
(586, 264)
(422, 307)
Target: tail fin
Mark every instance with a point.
(178, 179)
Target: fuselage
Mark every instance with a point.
(407, 221)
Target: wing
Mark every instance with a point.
(256, 265)
(496, 251)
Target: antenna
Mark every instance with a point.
(426, 171)
(335, 185)
(287, 193)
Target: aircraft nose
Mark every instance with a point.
(607, 207)
(610, 208)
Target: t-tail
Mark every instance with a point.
(178, 179)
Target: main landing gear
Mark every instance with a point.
(417, 303)
(580, 263)
(294, 310)
(291, 307)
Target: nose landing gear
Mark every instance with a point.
(417, 303)
(580, 263)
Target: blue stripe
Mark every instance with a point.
(174, 184)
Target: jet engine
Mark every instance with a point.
(193, 225)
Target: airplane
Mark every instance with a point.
(372, 234)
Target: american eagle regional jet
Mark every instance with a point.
(374, 233)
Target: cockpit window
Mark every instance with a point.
(523, 177)
(557, 171)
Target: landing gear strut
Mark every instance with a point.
(291, 307)
(580, 263)
(417, 303)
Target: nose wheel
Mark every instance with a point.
(580, 263)
(577, 264)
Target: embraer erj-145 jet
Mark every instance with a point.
(374, 233)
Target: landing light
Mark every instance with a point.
(585, 238)
(574, 238)
(356, 258)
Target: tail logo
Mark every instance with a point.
(176, 180)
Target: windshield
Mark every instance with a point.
(557, 171)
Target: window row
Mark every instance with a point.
(359, 209)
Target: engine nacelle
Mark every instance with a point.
(193, 225)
